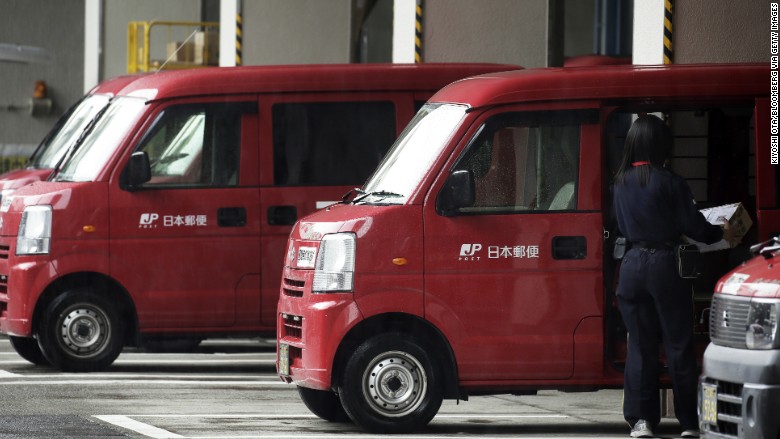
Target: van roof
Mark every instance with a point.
(609, 82)
(113, 85)
(304, 78)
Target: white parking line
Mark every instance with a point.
(195, 361)
(85, 382)
(5, 374)
(178, 376)
(126, 421)
(148, 430)
(138, 427)
(300, 416)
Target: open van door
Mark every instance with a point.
(715, 151)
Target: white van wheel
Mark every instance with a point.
(392, 384)
(80, 332)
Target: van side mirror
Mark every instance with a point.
(458, 191)
(138, 170)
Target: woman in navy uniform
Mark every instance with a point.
(654, 208)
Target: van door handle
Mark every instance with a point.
(569, 247)
(282, 215)
(231, 216)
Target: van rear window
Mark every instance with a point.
(330, 143)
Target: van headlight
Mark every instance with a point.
(334, 267)
(34, 231)
(5, 193)
(761, 328)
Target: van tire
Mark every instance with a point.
(80, 332)
(27, 348)
(325, 404)
(392, 384)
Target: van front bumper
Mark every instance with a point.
(22, 280)
(748, 392)
(310, 328)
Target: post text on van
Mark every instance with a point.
(774, 80)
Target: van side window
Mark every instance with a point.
(195, 145)
(523, 162)
(330, 143)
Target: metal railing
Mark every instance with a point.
(157, 45)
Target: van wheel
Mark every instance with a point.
(326, 405)
(27, 348)
(80, 332)
(391, 384)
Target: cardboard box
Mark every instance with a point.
(738, 219)
(206, 48)
(201, 49)
(180, 52)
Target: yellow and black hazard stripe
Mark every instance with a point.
(239, 37)
(668, 48)
(418, 32)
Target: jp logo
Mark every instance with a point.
(468, 250)
(147, 220)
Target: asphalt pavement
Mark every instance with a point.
(229, 389)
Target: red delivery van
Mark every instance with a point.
(169, 219)
(477, 259)
(740, 385)
(63, 134)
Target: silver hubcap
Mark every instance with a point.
(84, 331)
(394, 384)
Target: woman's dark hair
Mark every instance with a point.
(648, 140)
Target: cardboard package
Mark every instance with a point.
(206, 48)
(201, 49)
(180, 52)
(738, 219)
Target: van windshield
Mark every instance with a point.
(66, 131)
(412, 154)
(101, 140)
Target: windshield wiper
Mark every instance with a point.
(75, 145)
(356, 190)
(381, 194)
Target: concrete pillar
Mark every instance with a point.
(648, 32)
(92, 38)
(227, 32)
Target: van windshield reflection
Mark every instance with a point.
(100, 143)
(421, 143)
(67, 131)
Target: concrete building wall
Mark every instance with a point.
(58, 28)
(502, 31)
(319, 31)
(296, 31)
(721, 31)
(704, 31)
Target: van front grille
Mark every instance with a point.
(728, 320)
(4, 251)
(293, 287)
(729, 409)
(293, 326)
